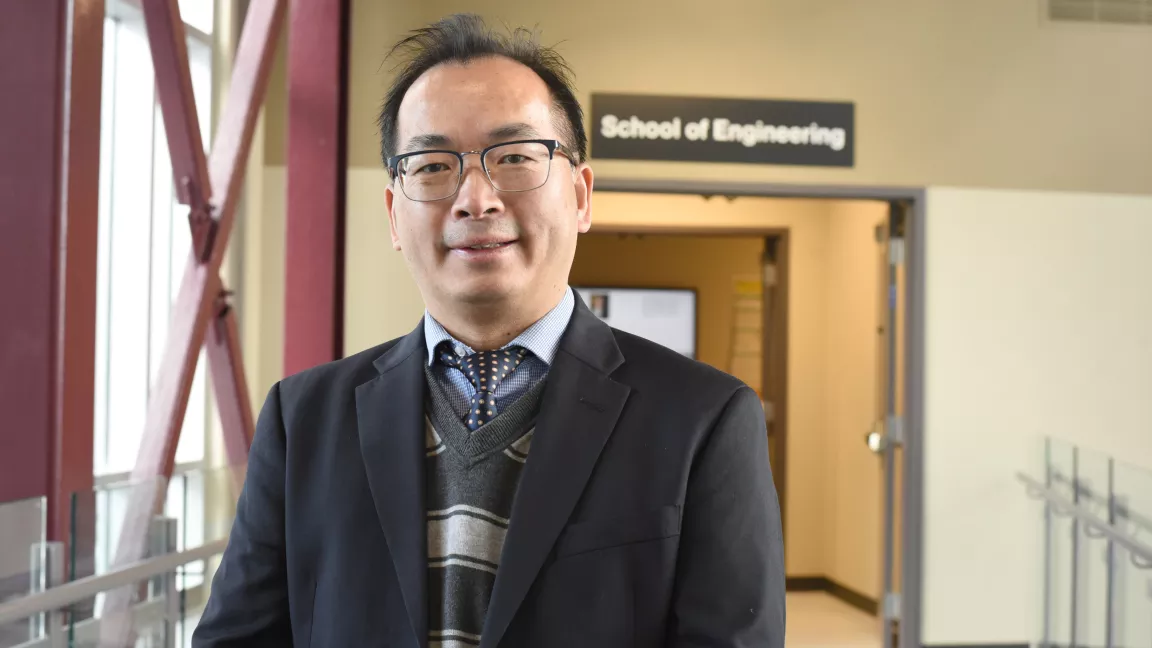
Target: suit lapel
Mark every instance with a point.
(579, 411)
(390, 421)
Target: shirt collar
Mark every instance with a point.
(541, 339)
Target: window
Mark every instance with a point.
(144, 242)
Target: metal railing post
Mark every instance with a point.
(1110, 557)
(1121, 606)
(1075, 544)
(47, 571)
(1045, 643)
(164, 534)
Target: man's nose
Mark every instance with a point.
(476, 196)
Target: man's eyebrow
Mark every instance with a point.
(506, 132)
(513, 131)
(427, 141)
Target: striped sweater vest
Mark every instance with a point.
(471, 484)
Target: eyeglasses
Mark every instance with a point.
(523, 165)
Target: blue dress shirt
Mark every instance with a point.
(541, 339)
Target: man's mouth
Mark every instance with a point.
(483, 250)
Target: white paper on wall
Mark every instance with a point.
(666, 317)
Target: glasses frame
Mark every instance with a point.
(552, 145)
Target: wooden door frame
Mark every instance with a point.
(912, 491)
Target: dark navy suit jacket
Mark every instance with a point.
(646, 514)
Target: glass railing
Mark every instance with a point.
(152, 622)
(22, 531)
(1097, 549)
(105, 550)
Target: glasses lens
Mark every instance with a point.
(429, 176)
(518, 167)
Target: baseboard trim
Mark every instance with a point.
(853, 598)
(806, 584)
(825, 584)
(1013, 645)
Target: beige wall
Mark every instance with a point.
(709, 265)
(1038, 318)
(262, 298)
(854, 514)
(972, 93)
(382, 301)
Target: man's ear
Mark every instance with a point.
(390, 202)
(583, 185)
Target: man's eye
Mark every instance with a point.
(435, 167)
(513, 158)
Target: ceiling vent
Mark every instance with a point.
(1113, 12)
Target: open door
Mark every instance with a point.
(887, 436)
(774, 383)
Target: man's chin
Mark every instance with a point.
(486, 293)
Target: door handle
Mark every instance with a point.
(877, 440)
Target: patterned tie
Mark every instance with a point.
(484, 370)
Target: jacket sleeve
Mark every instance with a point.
(729, 588)
(248, 605)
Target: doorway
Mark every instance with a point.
(768, 291)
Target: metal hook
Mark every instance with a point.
(1140, 563)
(223, 302)
(1093, 531)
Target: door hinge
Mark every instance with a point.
(769, 275)
(892, 601)
(896, 430)
(896, 251)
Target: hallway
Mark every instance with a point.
(818, 620)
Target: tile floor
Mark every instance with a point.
(817, 620)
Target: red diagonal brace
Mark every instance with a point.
(201, 298)
(177, 101)
(224, 361)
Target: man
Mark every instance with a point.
(513, 472)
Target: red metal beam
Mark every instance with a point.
(49, 179)
(317, 163)
(196, 301)
(76, 393)
(199, 300)
(32, 50)
(225, 361)
(177, 102)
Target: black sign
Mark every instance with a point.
(644, 127)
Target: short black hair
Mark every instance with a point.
(461, 38)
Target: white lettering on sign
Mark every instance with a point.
(635, 128)
(750, 135)
(723, 130)
(697, 131)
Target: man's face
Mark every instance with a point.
(467, 108)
